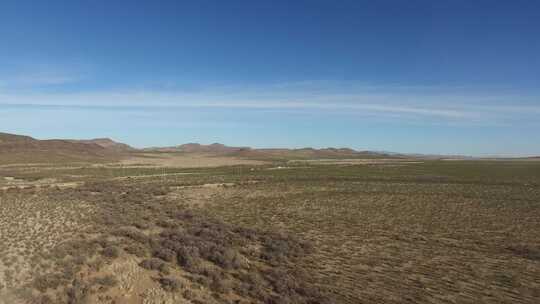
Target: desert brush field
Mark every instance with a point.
(427, 231)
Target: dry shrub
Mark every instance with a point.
(170, 284)
(111, 252)
(132, 234)
(78, 293)
(525, 251)
(164, 254)
(43, 299)
(188, 257)
(221, 285)
(105, 281)
(167, 224)
(151, 264)
(96, 264)
(48, 281)
(228, 259)
(136, 249)
(75, 248)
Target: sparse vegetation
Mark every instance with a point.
(302, 234)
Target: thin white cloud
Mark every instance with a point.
(434, 103)
(32, 76)
(41, 79)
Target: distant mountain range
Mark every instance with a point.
(23, 149)
(303, 153)
(198, 148)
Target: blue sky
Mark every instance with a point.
(455, 77)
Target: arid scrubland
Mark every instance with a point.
(419, 232)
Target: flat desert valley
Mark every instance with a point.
(98, 222)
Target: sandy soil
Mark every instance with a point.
(9, 182)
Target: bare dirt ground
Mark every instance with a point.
(14, 183)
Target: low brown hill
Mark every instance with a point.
(7, 139)
(107, 143)
(212, 148)
(25, 149)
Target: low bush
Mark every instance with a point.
(228, 259)
(137, 249)
(167, 224)
(78, 293)
(151, 264)
(188, 256)
(170, 284)
(132, 234)
(105, 281)
(524, 251)
(221, 285)
(164, 254)
(48, 281)
(43, 299)
(111, 252)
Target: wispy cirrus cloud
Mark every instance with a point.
(41, 79)
(29, 77)
(405, 102)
